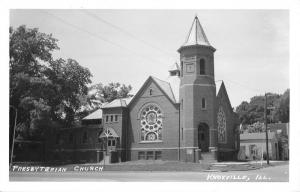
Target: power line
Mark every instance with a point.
(242, 85)
(100, 37)
(124, 31)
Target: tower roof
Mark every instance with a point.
(196, 35)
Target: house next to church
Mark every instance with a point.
(182, 118)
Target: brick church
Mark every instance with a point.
(183, 118)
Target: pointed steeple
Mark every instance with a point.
(196, 35)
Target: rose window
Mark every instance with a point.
(221, 120)
(151, 123)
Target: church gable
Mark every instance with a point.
(151, 90)
(154, 87)
(223, 98)
(226, 121)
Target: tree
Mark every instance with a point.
(110, 92)
(283, 109)
(70, 86)
(42, 89)
(100, 94)
(253, 111)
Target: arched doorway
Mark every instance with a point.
(203, 137)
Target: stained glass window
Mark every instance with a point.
(151, 123)
(221, 126)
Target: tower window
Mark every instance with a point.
(116, 118)
(202, 67)
(203, 103)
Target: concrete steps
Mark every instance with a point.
(106, 160)
(206, 158)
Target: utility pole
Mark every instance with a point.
(14, 134)
(266, 127)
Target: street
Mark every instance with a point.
(279, 173)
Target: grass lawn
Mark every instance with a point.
(159, 165)
(141, 165)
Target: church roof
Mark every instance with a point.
(166, 87)
(174, 82)
(122, 102)
(196, 35)
(95, 115)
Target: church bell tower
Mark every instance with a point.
(197, 95)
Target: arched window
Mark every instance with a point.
(150, 91)
(151, 123)
(203, 103)
(202, 67)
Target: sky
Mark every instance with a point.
(128, 46)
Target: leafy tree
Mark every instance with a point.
(42, 89)
(283, 110)
(110, 92)
(253, 111)
(70, 86)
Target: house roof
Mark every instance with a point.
(95, 115)
(255, 136)
(196, 35)
(122, 102)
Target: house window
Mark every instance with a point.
(141, 155)
(71, 138)
(157, 155)
(57, 139)
(151, 123)
(203, 103)
(116, 118)
(84, 137)
(150, 155)
(111, 142)
(202, 67)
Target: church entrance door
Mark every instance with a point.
(203, 137)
